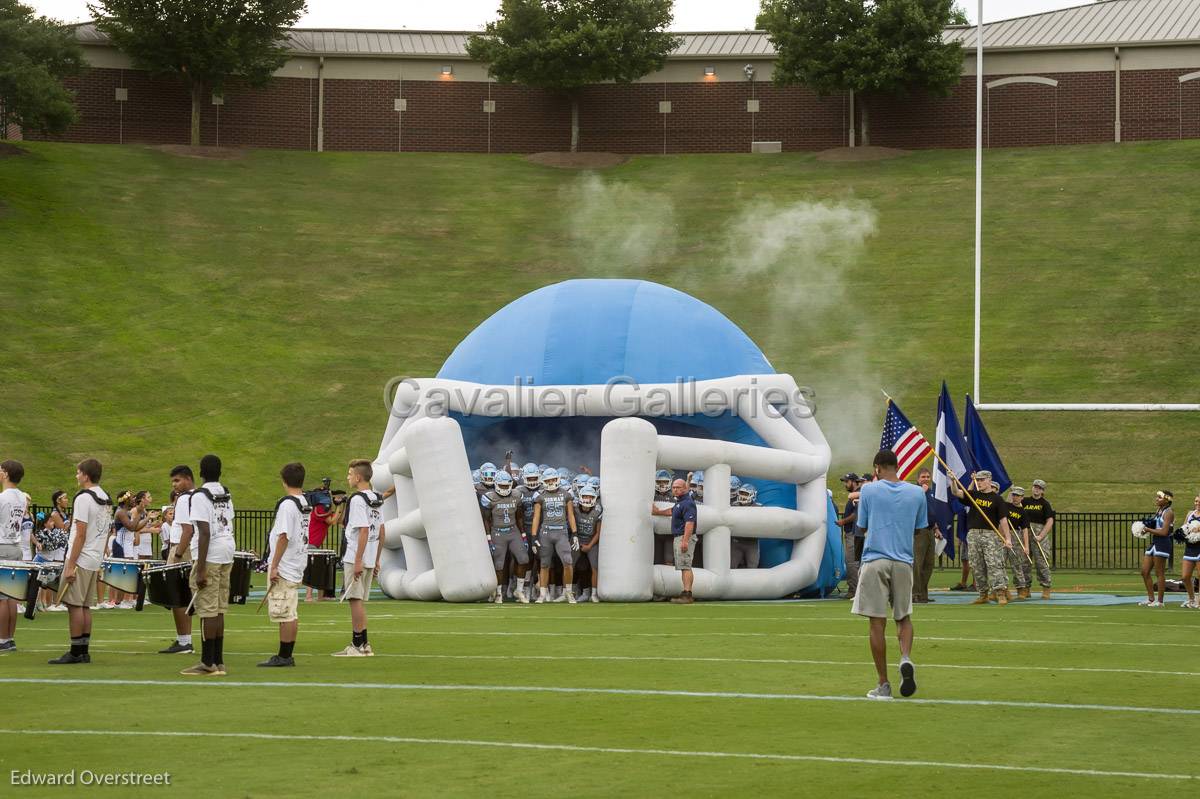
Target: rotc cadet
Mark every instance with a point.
(364, 534)
(212, 545)
(91, 518)
(289, 556)
(503, 522)
(588, 516)
(180, 537)
(1161, 528)
(1040, 516)
(986, 514)
(1018, 556)
(554, 532)
(743, 552)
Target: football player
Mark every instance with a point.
(503, 521)
(554, 533)
(587, 519)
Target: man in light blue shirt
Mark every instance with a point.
(890, 510)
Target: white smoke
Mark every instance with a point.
(799, 258)
(618, 229)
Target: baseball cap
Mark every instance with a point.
(1020, 492)
(1039, 483)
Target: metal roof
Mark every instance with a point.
(1106, 23)
(1098, 24)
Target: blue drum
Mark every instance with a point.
(15, 576)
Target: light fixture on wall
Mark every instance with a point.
(447, 72)
(710, 73)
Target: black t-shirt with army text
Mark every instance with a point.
(993, 506)
(1037, 511)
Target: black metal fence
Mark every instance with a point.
(1090, 542)
(251, 529)
(1085, 541)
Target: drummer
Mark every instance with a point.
(183, 481)
(289, 542)
(12, 513)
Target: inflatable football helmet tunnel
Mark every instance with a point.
(627, 377)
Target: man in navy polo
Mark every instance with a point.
(683, 532)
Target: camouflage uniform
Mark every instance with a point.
(1016, 555)
(987, 560)
(1035, 552)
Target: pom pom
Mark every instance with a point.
(1191, 531)
(1139, 530)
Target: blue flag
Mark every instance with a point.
(952, 449)
(983, 452)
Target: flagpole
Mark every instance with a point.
(978, 179)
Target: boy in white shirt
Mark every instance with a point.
(212, 548)
(91, 519)
(364, 538)
(13, 506)
(289, 556)
(183, 482)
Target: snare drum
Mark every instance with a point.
(123, 574)
(239, 577)
(168, 587)
(321, 571)
(15, 577)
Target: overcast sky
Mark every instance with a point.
(690, 15)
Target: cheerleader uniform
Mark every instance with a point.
(1161, 542)
(1192, 552)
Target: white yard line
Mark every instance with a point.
(468, 688)
(620, 750)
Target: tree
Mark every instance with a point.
(879, 47)
(203, 42)
(563, 45)
(36, 53)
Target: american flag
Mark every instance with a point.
(906, 441)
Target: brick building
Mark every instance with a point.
(1118, 70)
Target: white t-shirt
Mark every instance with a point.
(12, 513)
(362, 515)
(291, 523)
(220, 524)
(98, 519)
(26, 534)
(182, 516)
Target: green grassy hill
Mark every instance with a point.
(157, 307)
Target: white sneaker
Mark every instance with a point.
(595, 597)
(56, 608)
(521, 597)
(351, 651)
(1146, 603)
(499, 597)
(1155, 604)
(491, 598)
(107, 605)
(20, 609)
(1187, 603)
(586, 595)
(541, 597)
(559, 598)
(368, 651)
(128, 604)
(880, 692)
(571, 600)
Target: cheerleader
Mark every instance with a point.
(1160, 528)
(1192, 553)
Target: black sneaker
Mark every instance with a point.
(908, 678)
(69, 658)
(175, 648)
(276, 661)
(8, 646)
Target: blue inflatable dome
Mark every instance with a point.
(585, 332)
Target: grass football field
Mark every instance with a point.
(716, 699)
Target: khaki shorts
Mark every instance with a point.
(281, 601)
(881, 582)
(80, 593)
(172, 558)
(683, 560)
(213, 599)
(360, 588)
